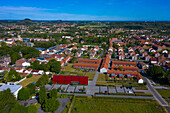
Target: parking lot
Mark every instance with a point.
(95, 89)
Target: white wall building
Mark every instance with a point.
(14, 88)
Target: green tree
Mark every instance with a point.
(53, 93)
(55, 66)
(156, 71)
(14, 57)
(73, 60)
(3, 44)
(32, 109)
(13, 76)
(53, 104)
(42, 95)
(19, 109)
(120, 68)
(31, 88)
(45, 105)
(24, 94)
(7, 101)
(42, 80)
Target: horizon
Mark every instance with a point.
(100, 10)
(93, 20)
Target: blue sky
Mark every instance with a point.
(137, 10)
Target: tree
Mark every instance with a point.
(24, 94)
(14, 57)
(42, 95)
(53, 93)
(32, 109)
(55, 66)
(156, 71)
(3, 44)
(13, 76)
(31, 88)
(73, 60)
(115, 46)
(120, 68)
(7, 101)
(19, 109)
(29, 76)
(45, 105)
(167, 76)
(53, 104)
(42, 80)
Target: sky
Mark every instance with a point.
(115, 10)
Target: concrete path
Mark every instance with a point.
(156, 95)
(92, 85)
(63, 103)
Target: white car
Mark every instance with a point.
(129, 92)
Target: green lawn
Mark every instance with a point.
(165, 94)
(115, 105)
(69, 68)
(101, 77)
(89, 74)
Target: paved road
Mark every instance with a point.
(92, 85)
(28, 102)
(157, 96)
(63, 103)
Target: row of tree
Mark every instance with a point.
(52, 66)
(9, 104)
(27, 52)
(49, 102)
(159, 74)
(26, 92)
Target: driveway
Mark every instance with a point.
(63, 103)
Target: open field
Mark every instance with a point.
(107, 83)
(69, 68)
(101, 77)
(29, 80)
(93, 26)
(115, 105)
(89, 74)
(165, 94)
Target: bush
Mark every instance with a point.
(31, 88)
(32, 109)
(51, 105)
(29, 76)
(24, 94)
(53, 93)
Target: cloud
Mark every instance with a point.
(45, 14)
(6, 9)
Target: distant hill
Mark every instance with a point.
(26, 21)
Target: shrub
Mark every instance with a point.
(24, 94)
(32, 109)
(31, 88)
(53, 93)
(29, 76)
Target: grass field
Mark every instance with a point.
(29, 80)
(107, 83)
(89, 74)
(69, 68)
(165, 94)
(101, 77)
(115, 105)
(93, 26)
